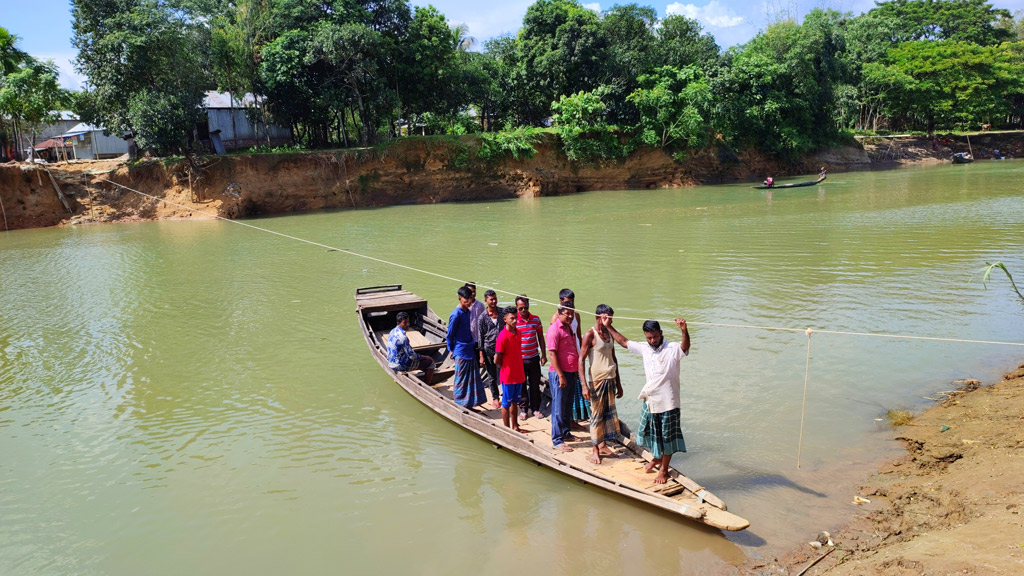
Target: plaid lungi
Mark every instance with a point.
(468, 388)
(660, 433)
(604, 420)
(580, 406)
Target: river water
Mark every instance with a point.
(195, 397)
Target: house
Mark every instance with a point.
(65, 121)
(232, 122)
(88, 142)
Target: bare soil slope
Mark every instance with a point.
(953, 505)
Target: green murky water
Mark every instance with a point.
(195, 397)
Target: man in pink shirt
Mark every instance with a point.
(562, 376)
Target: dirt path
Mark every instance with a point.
(953, 505)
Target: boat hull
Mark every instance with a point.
(622, 474)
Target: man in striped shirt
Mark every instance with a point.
(531, 332)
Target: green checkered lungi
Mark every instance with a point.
(660, 433)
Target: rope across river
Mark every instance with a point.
(808, 331)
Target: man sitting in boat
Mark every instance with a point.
(401, 356)
(769, 181)
(659, 416)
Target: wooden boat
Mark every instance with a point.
(622, 473)
(962, 158)
(794, 185)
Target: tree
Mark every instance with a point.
(681, 42)
(631, 47)
(675, 107)
(583, 129)
(11, 57)
(146, 63)
(959, 20)
(777, 91)
(430, 69)
(947, 83)
(31, 96)
(561, 50)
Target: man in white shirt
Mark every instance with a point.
(659, 417)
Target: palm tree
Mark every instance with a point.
(11, 58)
(461, 38)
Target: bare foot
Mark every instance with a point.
(562, 448)
(650, 466)
(517, 429)
(661, 478)
(607, 452)
(594, 459)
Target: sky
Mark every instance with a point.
(44, 26)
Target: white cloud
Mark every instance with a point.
(593, 6)
(713, 15)
(69, 78)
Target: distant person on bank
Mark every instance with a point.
(468, 388)
(659, 416)
(509, 358)
(489, 325)
(401, 356)
(562, 377)
(603, 385)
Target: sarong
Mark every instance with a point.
(660, 433)
(468, 389)
(604, 420)
(580, 406)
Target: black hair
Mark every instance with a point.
(522, 298)
(507, 310)
(604, 309)
(490, 293)
(401, 316)
(564, 307)
(471, 286)
(465, 292)
(566, 293)
(651, 326)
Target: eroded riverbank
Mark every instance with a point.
(412, 171)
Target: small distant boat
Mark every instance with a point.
(622, 473)
(962, 158)
(795, 185)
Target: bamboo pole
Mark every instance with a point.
(971, 150)
(4, 210)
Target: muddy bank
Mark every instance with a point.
(953, 505)
(410, 171)
(415, 170)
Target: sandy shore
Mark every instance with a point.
(953, 505)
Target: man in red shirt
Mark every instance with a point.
(508, 356)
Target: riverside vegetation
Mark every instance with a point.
(347, 73)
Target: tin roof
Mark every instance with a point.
(223, 100)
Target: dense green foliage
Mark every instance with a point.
(30, 95)
(361, 72)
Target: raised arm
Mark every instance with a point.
(618, 337)
(685, 343)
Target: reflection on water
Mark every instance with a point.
(195, 397)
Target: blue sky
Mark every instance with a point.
(44, 26)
